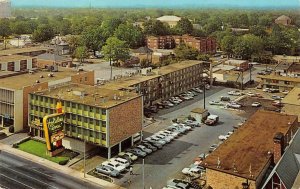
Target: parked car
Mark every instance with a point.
(177, 98)
(192, 123)
(138, 152)
(275, 97)
(177, 129)
(160, 133)
(213, 148)
(225, 98)
(128, 154)
(277, 104)
(170, 133)
(211, 120)
(153, 109)
(233, 105)
(251, 94)
(167, 103)
(179, 184)
(223, 137)
(143, 148)
(158, 140)
(107, 170)
(266, 90)
(235, 93)
(274, 91)
(285, 92)
(121, 161)
(165, 138)
(117, 166)
(156, 144)
(215, 103)
(207, 86)
(193, 170)
(255, 104)
(198, 90)
(150, 146)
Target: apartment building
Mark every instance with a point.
(17, 63)
(203, 45)
(5, 9)
(248, 156)
(14, 90)
(162, 83)
(106, 118)
(277, 81)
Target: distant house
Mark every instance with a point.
(170, 20)
(240, 65)
(283, 20)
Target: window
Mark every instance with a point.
(51, 100)
(97, 122)
(91, 109)
(73, 116)
(103, 111)
(91, 121)
(68, 104)
(287, 82)
(103, 136)
(73, 129)
(104, 123)
(97, 110)
(92, 134)
(73, 105)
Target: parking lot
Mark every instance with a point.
(167, 163)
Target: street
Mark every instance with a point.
(18, 173)
(168, 162)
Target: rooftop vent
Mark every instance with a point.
(37, 81)
(41, 76)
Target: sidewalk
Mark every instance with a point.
(54, 166)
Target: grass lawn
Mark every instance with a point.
(39, 149)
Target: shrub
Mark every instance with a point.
(63, 162)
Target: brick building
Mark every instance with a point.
(203, 45)
(50, 59)
(165, 82)
(16, 63)
(240, 65)
(14, 90)
(105, 118)
(246, 158)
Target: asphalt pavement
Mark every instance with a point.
(18, 173)
(168, 162)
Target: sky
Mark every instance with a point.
(263, 4)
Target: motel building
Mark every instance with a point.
(105, 119)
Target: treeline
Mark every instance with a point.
(91, 28)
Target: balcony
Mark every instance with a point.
(97, 128)
(97, 116)
(74, 110)
(103, 129)
(85, 125)
(91, 114)
(92, 139)
(79, 112)
(97, 141)
(85, 113)
(103, 117)
(103, 142)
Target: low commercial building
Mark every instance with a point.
(104, 117)
(14, 90)
(17, 63)
(26, 51)
(292, 102)
(199, 114)
(50, 59)
(203, 45)
(245, 159)
(165, 82)
(276, 81)
(241, 65)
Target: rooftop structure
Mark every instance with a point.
(4, 59)
(292, 102)
(89, 95)
(169, 18)
(248, 152)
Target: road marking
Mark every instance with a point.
(30, 177)
(17, 181)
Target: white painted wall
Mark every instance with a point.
(18, 110)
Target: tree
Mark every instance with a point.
(43, 32)
(156, 28)
(227, 44)
(203, 57)
(185, 52)
(74, 41)
(258, 31)
(81, 53)
(4, 29)
(132, 35)
(247, 45)
(213, 24)
(93, 39)
(184, 26)
(115, 49)
(109, 26)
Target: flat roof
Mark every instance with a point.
(293, 97)
(89, 95)
(130, 81)
(199, 110)
(249, 145)
(4, 59)
(22, 50)
(26, 79)
(234, 61)
(278, 77)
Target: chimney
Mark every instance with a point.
(278, 146)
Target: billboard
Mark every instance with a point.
(53, 129)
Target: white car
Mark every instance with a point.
(255, 104)
(176, 98)
(117, 166)
(234, 105)
(168, 103)
(193, 170)
(215, 103)
(251, 94)
(181, 125)
(166, 135)
(266, 90)
(167, 139)
(143, 148)
(130, 155)
(122, 161)
(153, 138)
(170, 133)
(198, 90)
(285, 92)
(223, 137)
(234, 93)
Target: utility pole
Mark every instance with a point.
(251, 73)
(84, 159)
(143, 173)
(204, 95)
